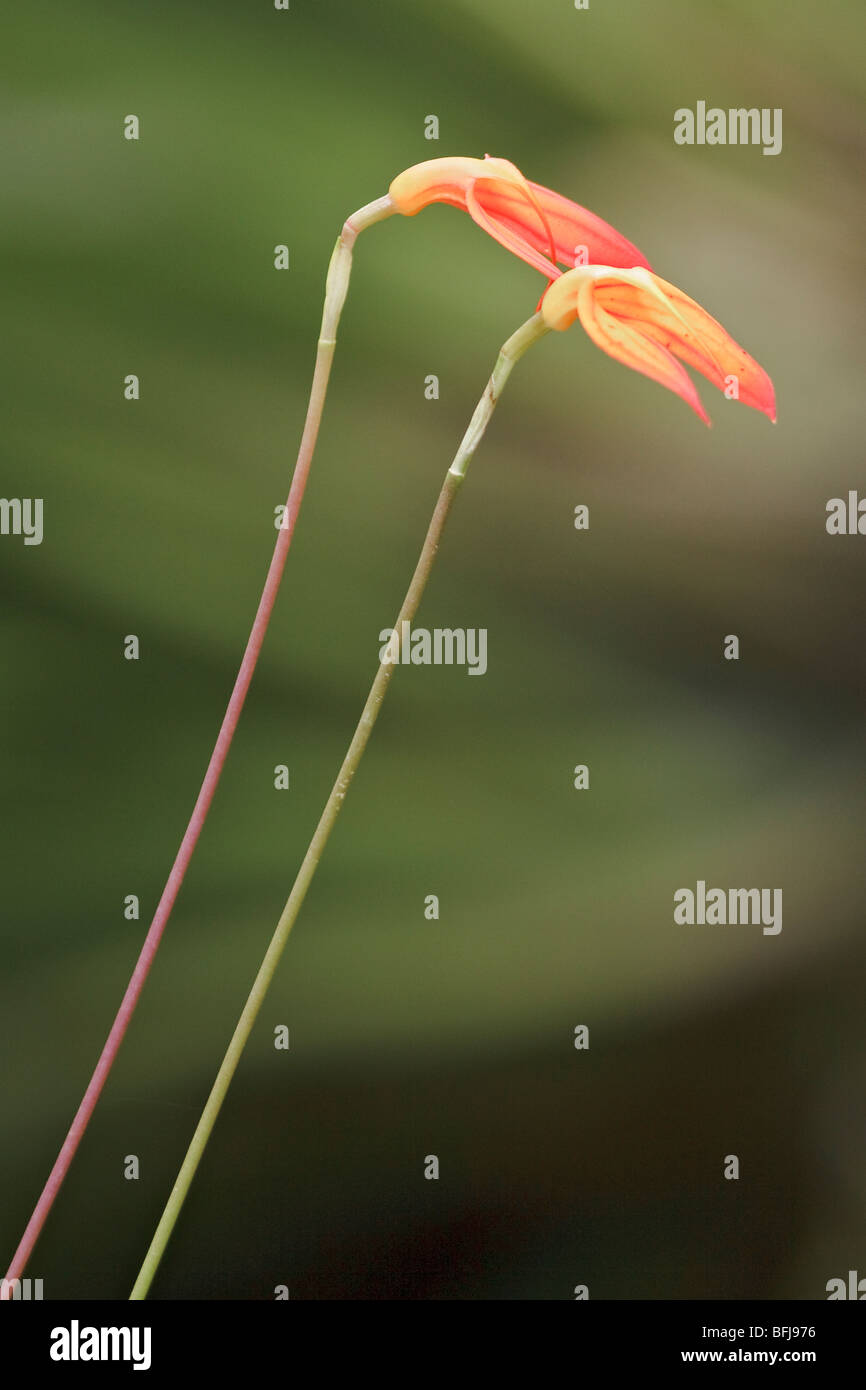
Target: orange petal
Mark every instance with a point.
(627, 343)
(574, 226)
(533, 222)
(683, 327)
(515, 235)
(647, 323)
(550, 217)
(434, 181)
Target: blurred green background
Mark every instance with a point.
(411, 1037)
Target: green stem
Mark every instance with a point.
(337, 285)
(512, 350)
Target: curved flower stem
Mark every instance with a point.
(512, 350)
(336, 287)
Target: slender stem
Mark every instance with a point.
(512, 350)
(336, 287)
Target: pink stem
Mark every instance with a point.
(333, 304)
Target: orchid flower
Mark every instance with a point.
(540, 226)
(646, 323)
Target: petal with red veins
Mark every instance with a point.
(514, 234)
(626, 343)
(686, 329)
(573, 226)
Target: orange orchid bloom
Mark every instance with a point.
(646, 323)
(540, 226)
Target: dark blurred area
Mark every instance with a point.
(411, 1037)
